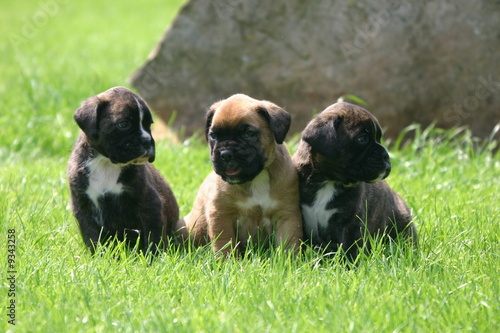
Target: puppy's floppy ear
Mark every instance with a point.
(208, 121)
(210, 115)
(321, 135)
(86, 117)
(279, 120)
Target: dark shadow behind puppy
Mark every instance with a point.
(115, 190)
(343, 196)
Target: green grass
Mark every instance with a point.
(83, 48)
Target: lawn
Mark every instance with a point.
(57, 53)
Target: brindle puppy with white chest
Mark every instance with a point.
(253, 189)
(115, 190)
(343, 196)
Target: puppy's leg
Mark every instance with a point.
(91, 233)
(196, 228)
(152, 231)
(221, 232)
(289, 229)
(351, 240)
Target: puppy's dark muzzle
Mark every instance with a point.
(236, 162)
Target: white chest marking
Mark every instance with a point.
(260, 190)
(317, 214)
(103, 178)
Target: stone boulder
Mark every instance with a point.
(429, 61)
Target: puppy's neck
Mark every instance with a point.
(99, 161)
(255, 185)
(315, 177)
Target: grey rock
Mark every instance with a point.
(427, 61)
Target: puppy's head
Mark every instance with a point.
(117, 124)
(345, 145)
(243, 133)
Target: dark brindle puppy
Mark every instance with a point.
(343, 196)
(253, 189)
(115, 191)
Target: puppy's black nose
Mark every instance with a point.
(226, 155)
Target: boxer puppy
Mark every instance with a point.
(343, 196)
(253, 190)
(115, 191)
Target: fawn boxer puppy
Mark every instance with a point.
(115, 191)
(343, 196)
(253, 190)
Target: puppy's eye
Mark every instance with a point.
(249, 134)
(362, 139)
(212, 136)
(123, 125)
